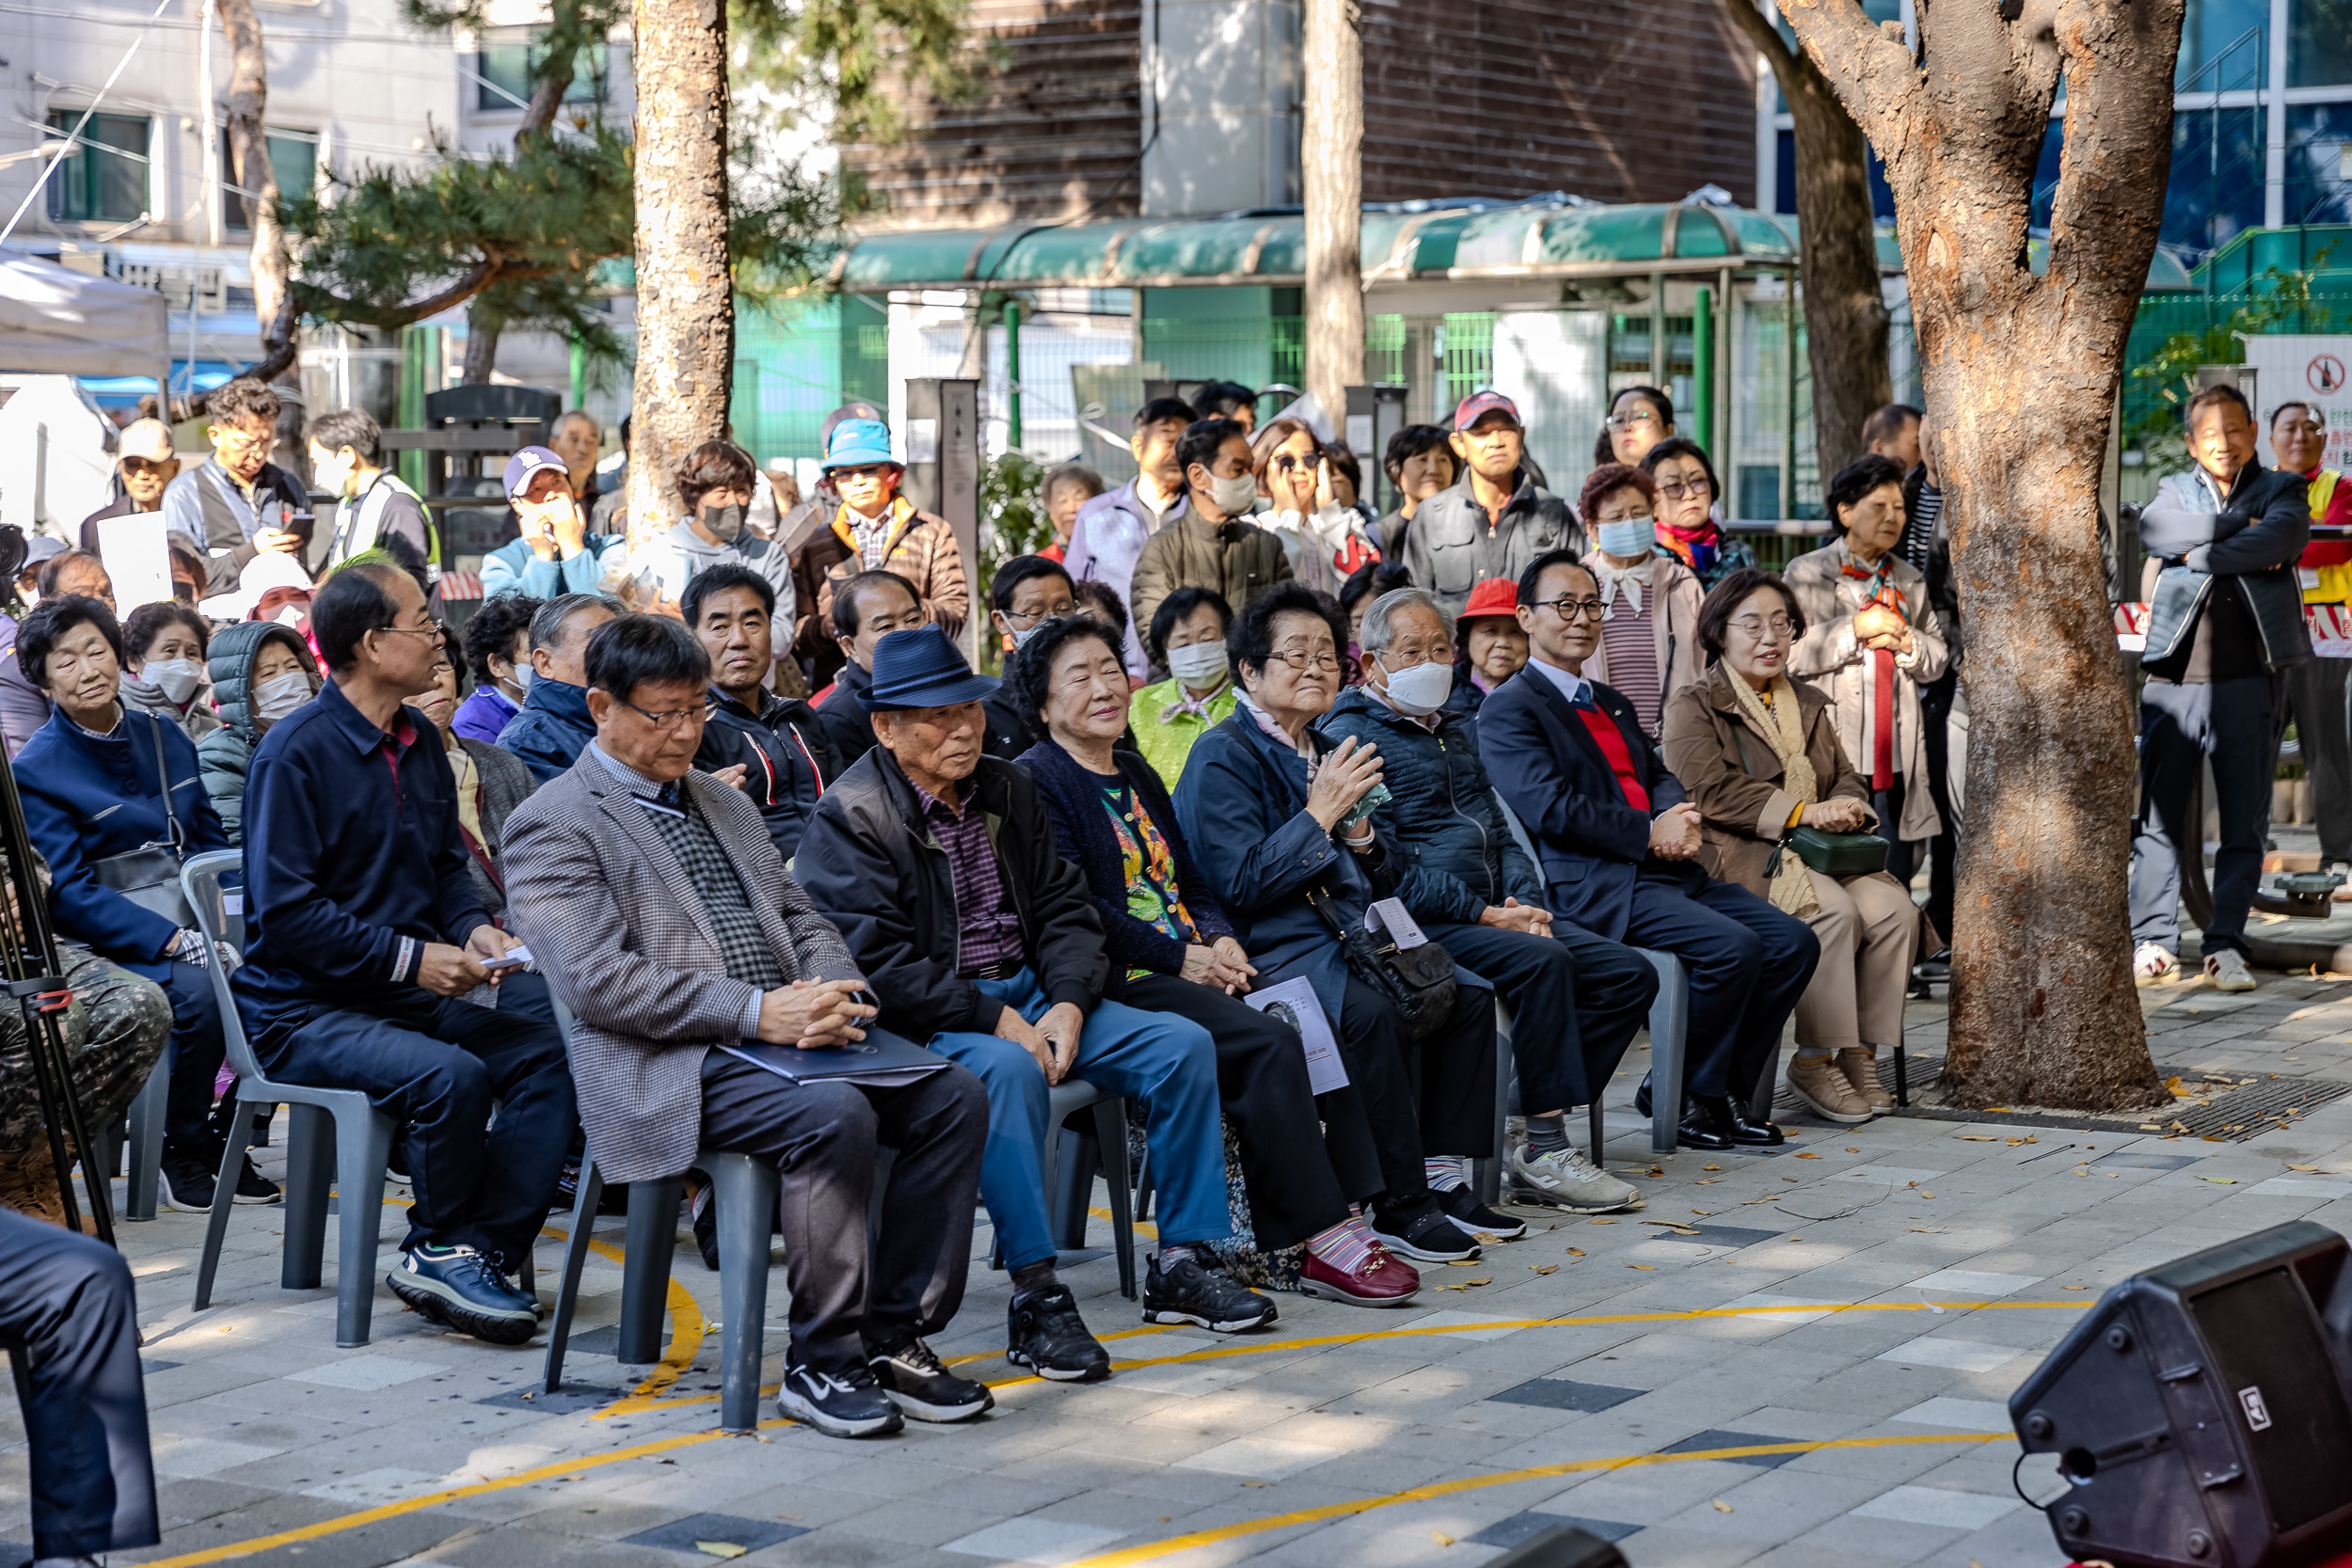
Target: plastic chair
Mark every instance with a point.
(1486, 1174)
(144, 1140)
(1070, 1169)
(1669, 1022)
(335, 1136)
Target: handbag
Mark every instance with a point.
(1419, 980)
(1830, 854)
(149, 876)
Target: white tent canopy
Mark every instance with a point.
(65, 323)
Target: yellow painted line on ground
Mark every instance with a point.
(1143, 1228)
(1175, 1544)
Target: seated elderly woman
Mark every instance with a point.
(162, 656)
(1491, 642)
(1871, 642)
(1759, 754)
(94, 780)
(491, 783)
(261, 671)
(1281, 826)
(1173, 951)
(1187, 636)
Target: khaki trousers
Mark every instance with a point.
(1866, 926)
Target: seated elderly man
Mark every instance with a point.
(939, 866)
(365, 933)
(552, 727)
(658, 968)
(1576, 998)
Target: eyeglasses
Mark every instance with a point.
(1301, 660)
(434, 632)
(863, 470)
(1757, 626)
(1698, 490)
(1630, 422)
(1407, 658)
(1025, 619)
(143, 466)
(668, 723)
(1571, 609)
(1287, 461)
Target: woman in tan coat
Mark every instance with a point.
(1871, 643)
(1760, 756)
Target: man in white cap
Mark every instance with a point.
(146, 462)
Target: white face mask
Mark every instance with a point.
(176, 679)
(1420, 689)
(279, 695)
(1199, 664)
(1235, 496)
(523, 673)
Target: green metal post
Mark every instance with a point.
(1012, 374)
(1703, 370)
(580, 374)
(413, 343)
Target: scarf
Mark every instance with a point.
(1187, 704)
(1781, 722)
(1629, 580)
(871, 536)
(1265, 721)
(1696, 546)
(1877, 590)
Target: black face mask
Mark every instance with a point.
(723, 522)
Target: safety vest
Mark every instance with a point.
(2335, 582)
(357, 523)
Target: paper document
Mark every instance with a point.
(1389, 915)
(137, 560)
(1293, 1003)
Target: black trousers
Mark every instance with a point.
(822, 1138)
(1576, 1000)
(2181, 724)
(436, 1064)
(1300, 1175)
(1902, 854)
(1747, 965)
(71, 1325)
(1452, 1111)
(2315, 699)
(1935, 712)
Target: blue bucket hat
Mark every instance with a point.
(920, 668)
(858, 442)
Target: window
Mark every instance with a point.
(2319, 43)
(2318, 136)
(2217, 184)
(293, 158)
(104, 177)
(508, 56)
(2221, 46)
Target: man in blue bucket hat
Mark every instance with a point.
(979, 939)
(876, 528)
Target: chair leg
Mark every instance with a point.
(1486, 1172)
(1600, 1137)
(1072, 1188)
(1669, 1021)
(575, 1260)
(1903, 1078)
(363, 1147)
(645, 1268)
(1110, 1127)
(216, 1222)
(1143, 1188)
(146, 1141)
(745, 1192)
(310, 1170)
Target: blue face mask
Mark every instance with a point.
(1634, 537)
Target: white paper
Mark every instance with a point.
(1389, 915)
(514, 956)
(138, 558)
(1293, 1003)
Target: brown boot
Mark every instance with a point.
(1819, 1084)
(1861, 1067)
(28, 1183)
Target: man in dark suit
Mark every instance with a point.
(1617, 835)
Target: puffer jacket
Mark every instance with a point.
(223, 756)
(1452, 546)
(1442, 814)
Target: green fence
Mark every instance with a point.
(793, 368)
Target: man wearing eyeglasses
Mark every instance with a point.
(1495, 518)
(364, 934)
(238, 504)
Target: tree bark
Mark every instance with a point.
(1331, 147)
(249, 152)
(2021, 374)
(483, 322)
(685, 292)
(1845, 307)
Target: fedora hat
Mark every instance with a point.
(920, 668)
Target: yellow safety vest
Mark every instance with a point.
(2335, 582)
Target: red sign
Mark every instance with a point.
(2326, 373)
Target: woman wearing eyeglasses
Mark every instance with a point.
(1688, 492)
(1639, 418)
(1325, 541)
(1649, 600)
(1759, 754)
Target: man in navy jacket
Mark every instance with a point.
(366, 938)
(1615, 836)
(553, 727)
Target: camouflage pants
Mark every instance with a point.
(116, 1030)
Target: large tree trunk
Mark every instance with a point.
(1331, 147)
(249, 152)
(685, 295)
(1845, 311)
(2021, 375)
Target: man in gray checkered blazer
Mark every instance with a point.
(656, 904)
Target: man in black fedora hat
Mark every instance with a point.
(977, 938)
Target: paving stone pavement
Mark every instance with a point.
(1815, 1377)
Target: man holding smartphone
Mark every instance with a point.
(238, 504)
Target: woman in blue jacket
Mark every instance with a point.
(92, 780)
(1271, 817)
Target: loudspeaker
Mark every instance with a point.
(2202, 1411)
(1560, 1547)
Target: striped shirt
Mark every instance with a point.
(988, 932)
(1628, 639)
(1919, 540)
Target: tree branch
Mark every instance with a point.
(1867, 68)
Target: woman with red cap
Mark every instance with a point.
(1493, 644)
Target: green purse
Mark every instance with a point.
(1830, 854)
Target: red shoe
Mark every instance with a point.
(1382, 1280)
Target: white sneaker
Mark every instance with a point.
(2152, 964)
(2342, 894)
(1565, 1178)
(2226, 970)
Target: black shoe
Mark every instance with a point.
(706, 1214)
(1641, 1098)
(1189, 1293)
(1697, 1130)
(1045, 1333)
(187, 1184)
(1427, 1233)
(1463, 1207)
(839, 1404)
(916, 1383)
(1726, 1118)
(463, 1289)
(252, 1186)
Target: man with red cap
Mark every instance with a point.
(1495, 519)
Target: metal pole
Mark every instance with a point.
(209, 183)
(1703, 368)
(1012, 374)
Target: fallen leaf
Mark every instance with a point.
(1268, 1483)
(1808, 1156)
(1704, 1214)
(1488, 1237)
(1657, 1170)
(1996, 1110)
(1851, 1150)
(722, 1549)
(2313, 1169)
(1441, 1538)
(1545, 1268)
(2014, 1142)
(1924, 1231)
(1721, 1507)
(1576, 1252)
(1604, 1221)
(1979, 1138)
(1468, 1282)
(1461, 1262)
(2150, 1127)
(1707, 1181)
(1927, 1195)
(1711, 1167)
(1643, 1267)
(2031, 1139)
(2074, 1287)
(2221, 1180)
(1453, 1287)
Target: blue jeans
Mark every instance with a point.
(1166, 1062)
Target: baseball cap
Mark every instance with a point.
(1482, 402)
(857, 409)
(147, 438)
(529, 461)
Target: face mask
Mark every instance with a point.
(1423, 689)
(176, 679)
(1021, 639)
(523, 677)
(1199, 664)
(1234, 496)
(723, 522)
(1634, 537)
(279, 695)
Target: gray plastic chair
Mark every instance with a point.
(1486, 1174)
(335, 1136)
(1069, 1172)
(144, 1140)
(1669, 1023)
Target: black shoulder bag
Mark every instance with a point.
(149, 876)
(1419, 980)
